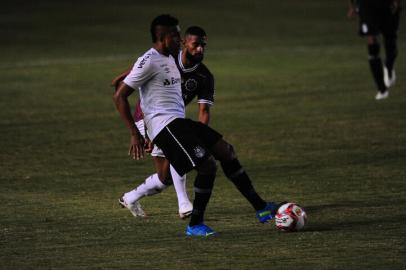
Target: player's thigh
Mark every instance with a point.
(390, 25)
(205, 134)
(182, 145)
(207, 167)
(369, 17)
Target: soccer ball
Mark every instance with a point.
(290, 217)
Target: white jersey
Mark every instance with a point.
(159, 82)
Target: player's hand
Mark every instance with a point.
(136, 150)
(148, 145)
(351, 13)
(395, 6)
(118, 79)
(116, 82)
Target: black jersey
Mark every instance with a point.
(197, 81)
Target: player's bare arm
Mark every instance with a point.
(149, 145)
(116, 81)
(136, 150)
(204, 113)
(395, 6)
(351, 13)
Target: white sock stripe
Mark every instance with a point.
(180, 145)
(373, 57)
(202, 190)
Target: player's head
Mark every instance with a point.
(194, 43)
(165, 29)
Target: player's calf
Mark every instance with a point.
(375, 64)
(203, 187)
(236, 173)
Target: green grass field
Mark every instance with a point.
(293, 95)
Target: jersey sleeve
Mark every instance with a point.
(141, 72)
(206, 93)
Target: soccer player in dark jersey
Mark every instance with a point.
(197, 82)
(379, 17)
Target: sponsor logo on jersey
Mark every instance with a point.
(199, 152)
(171, 81)
(143, 61)
(175, 80)
(190, 84)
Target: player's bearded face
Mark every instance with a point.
(196, 58)
(195, 47)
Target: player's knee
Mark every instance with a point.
(373, 51)
(231, 152)
(208, 167)
(223, 151)
(228, 153)
(372, 40)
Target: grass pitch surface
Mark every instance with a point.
(293, 95)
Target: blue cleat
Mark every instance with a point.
(268, 212)
(199, 230)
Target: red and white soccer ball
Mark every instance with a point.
(290, 217)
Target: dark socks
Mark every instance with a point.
(375, 63)
(391, 51)
(234, 171)
(203, 188)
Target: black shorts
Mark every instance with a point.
(186, 143)
(377, 17)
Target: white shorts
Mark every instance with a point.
(156, 152)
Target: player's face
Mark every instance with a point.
(195, 47)
(172, 40)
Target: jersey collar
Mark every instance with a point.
(185, 70)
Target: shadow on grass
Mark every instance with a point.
(375, 218)
(351, 205)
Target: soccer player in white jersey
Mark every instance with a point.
(187, 144)
(197, 82)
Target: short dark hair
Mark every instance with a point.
(195, 31)
(162, 20)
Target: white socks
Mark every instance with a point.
(179, 183)
(151, 186)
